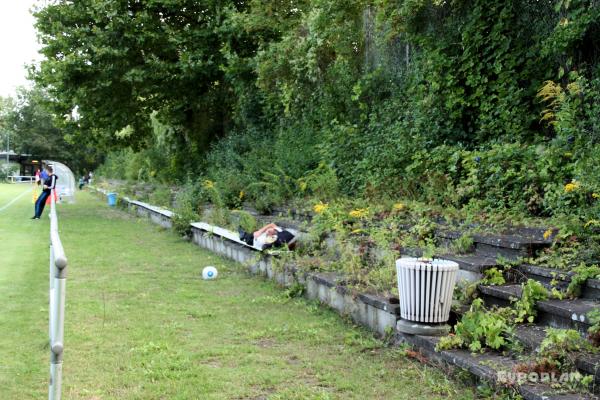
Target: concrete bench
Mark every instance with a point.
(158, 210)
(235, 237)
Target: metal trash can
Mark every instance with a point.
(426, 287)
(112, 199)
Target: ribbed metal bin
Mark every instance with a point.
(425, 287)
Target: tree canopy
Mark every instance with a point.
(390, 96)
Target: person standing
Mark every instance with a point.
(35, 192)
(48, 185)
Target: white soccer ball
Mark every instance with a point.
(209, 273)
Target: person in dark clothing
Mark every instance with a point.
(48, 185)
(268, 236)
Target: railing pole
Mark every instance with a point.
(51, 295)
(58, 283)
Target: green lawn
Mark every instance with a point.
(141, 324)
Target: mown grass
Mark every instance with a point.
(141, 324)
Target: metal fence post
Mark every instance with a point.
(58, 282)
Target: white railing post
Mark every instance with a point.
(58, 282)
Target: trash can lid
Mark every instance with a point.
(425, 263)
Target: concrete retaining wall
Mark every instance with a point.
(371, 311)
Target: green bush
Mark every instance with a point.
(161, 196)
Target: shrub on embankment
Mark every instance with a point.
(486, 107)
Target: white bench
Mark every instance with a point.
(235, 237)
(161, 211)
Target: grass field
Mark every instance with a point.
(141, 324)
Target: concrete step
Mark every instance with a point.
(532, 335)
(544, 275)
(564, 314)
(471, 262)
(471, 265)
(490, 367)
(512, 245)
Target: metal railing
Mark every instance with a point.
(58, 283)
(21, 178)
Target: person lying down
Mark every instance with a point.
(269, 236)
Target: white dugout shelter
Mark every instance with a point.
(65, 185)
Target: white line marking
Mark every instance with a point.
(10, 203)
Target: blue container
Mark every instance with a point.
(112, 199)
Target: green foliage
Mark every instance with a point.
(321, 182)
(532, 292)
(246, 221)
(34, 129)
(557, 354)
(296, 290)
(594, 330)
(274, 187)
(581, 274)
(8, 170)
(558, 343)
(186, 208)
(480, 328)
(472, 105)
(449, 342)
(161, 196)
(463, 244)
(493, 276)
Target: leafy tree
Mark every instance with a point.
(6, 106)
(120, 61)
(33, 131)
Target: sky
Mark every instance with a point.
(18, 44)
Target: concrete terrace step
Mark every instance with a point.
(471, 262)
(490, 366)
(591, 289)
(564, 314)
(471, 265)
(476, 264)
(532, 335)
(511, 246)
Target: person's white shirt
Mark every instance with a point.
(263, 239)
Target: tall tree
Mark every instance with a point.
(119, 61)
(34, 131)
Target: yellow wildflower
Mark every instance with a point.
(569, 187)
(399, 206)
(547, 234)
(359, 213)
(208, 184)
(596, 195)
(242, 195)
(320, 207)
(574, 88)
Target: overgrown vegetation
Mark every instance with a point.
(488, 112)
(463, 104)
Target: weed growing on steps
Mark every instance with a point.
(594, 330)
(463, 244)
(480, 328)
(493, 276)
(581, 274)
(556, 355)
(532, 292)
